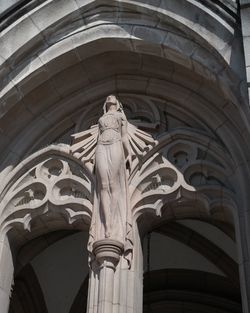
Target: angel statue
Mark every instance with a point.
(108, 146)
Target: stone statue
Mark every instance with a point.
(111, 216)
(112, 154)
(107, 150)
(111, 213)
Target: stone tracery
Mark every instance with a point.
(52, 185)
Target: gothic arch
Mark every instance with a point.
(55, 58)
(52, 189)
(174, 72)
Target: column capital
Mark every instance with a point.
(108, 252)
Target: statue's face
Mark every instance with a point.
(111, 106)
(111, 103)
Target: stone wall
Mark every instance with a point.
(245, 22)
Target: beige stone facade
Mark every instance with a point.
(181, 69)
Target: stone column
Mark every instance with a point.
(107, 253)
(112, 281)
(6, 274)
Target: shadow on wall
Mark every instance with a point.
(56, 279)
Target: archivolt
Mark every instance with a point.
(74, 50)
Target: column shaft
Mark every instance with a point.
(106, 288)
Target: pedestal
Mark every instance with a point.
(107, 253)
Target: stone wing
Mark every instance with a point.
(84, 145)
(140, 142)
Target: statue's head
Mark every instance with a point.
(111, 101)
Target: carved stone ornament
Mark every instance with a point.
(48, 190)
